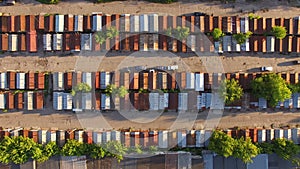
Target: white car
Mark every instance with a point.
(266, 69)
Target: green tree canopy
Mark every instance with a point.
(20, 149)
(279, 32)
(231, 91)
(271, 87)
(286, 149)
(73, 148)
(295, 88)
(242, 37)
(114, 149)
(221, 143)
(179, 33)
(116, 91)
(217, 34)
(109, 33)
(226, 146)
(245, 150)
(81, 87)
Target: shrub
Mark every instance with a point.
(279, 32)
(242, 37)
(217, 34)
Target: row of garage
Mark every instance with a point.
(21, 80)
(76, 42)
(29, 100)
(143, 23)
(161, 139)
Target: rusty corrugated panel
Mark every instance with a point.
(10, 100)
(20, 99)
(33, 134)
(12, 80)
(97, 80)
(30, 23)
(68, 80)
(143, 101)
(126, 80)
(4, 23)
(67, 42)
(87, 23)
(49, 23)
(173, 101)
(31, 41)
(11, 24)
(76, 41)
(40, 81)
(152, 80)
(88, 137)
(69, 23)
(136, 42)
(296, 44)
(279, 21)
(40, 22)
(39, 100)
(22, 42)
(30, 80)
(4, 42)
(96, 46)
(144, 139)
(98, 101)
(262, 44)
(134, 81)
(208, 24)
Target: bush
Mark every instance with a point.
(217, 34)
(279, 32)
(48, 1)
(242, 37)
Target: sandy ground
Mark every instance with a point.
(166, 120)
(275, 8)
(230, 63)
(141, 120)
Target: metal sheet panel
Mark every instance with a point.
(47, 40)
(57, 100)
(59, 23)
(86, 41)
(182, 101)
(78, 25)
(97, 23)
(57, 42)
(20, 80)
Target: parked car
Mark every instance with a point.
(266, 69)
(199, 14)
(10, 2)
(296, 62)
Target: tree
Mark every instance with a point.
(112, 32)
(100, 37)
(271, 87)
(114, 149)
(295, 88)
(245, 150)
(116, 91)
(95, 151)
(81, 87)
(221, 143)
(73, 148)
(286, 149)
(109, 33)
(180, 33)
(18, 150)
(242, 37)
(48, 150)
(231, 91)
(279, 32)
(217, 34)
(226, 146)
